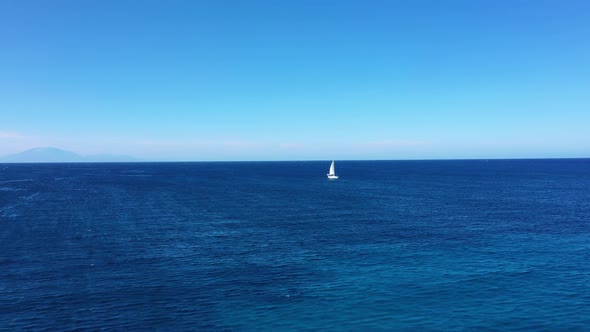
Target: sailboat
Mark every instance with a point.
(332, 175)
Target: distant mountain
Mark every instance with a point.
(51, 155)
(55, 155)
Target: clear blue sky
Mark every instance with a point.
(283, 80)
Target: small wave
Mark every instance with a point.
(9, 215)
(19, 180)
(10, 189)
(134, 171)
(30, 196)
(8, 211)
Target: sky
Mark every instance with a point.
(297, 79)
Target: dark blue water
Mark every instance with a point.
(392, 245)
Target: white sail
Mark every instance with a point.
(332, 174)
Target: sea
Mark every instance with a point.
(451, 245)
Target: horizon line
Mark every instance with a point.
(299, 160)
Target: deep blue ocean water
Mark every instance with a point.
(392, 245)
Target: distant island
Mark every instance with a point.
(56, 155)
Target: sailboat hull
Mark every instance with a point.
(332, 177)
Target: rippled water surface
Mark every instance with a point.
(416, 245)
